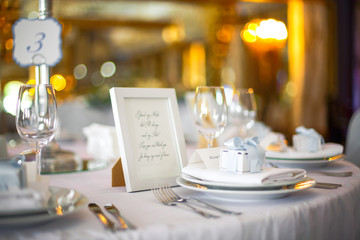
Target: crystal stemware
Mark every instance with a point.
(36, 117)
(242, 110)
(210, 111)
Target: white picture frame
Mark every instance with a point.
(151, 141)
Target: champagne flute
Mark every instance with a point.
(242, 110)
(36, 117)
(210, 111)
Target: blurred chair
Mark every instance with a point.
(352, 147)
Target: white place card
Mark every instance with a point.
(210, 157)
(37, 41)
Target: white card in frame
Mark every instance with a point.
(151, 140)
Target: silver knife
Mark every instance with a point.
(327, 185)
(116, 213)
(108, 224)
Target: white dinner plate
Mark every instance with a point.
(241, 195)
(238, 185)
(62, 202)
(303, 164)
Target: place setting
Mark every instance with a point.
(25, 194)
(309, 150)
(238, 173)
(235, 171)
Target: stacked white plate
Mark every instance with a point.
(240, 191)
(62, 202)
(331, 152)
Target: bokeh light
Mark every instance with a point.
(9, 44)
(173, 33)
(108, 69)
(272, 29)
(11, 91)
(58, 81)
(80, 71)
(96, 79)
(264, 30)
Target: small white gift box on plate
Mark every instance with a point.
(250, 149)
(235, 161)
(307, 140)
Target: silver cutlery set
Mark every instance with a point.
(122, 224)
(168, 197)
(326, 185)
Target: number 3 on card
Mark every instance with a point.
(37, 42)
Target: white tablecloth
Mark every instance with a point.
(311, 214)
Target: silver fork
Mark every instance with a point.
(176, 198)
(163, 196)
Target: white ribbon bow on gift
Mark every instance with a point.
(310, 132)
(256, 154)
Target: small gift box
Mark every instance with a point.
(234, 161)
(307, 140)
(242, 156)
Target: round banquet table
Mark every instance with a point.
(311, 214)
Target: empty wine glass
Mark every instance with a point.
(36, 117)
(242, 110)
(210, 111)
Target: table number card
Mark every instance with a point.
(37, 42)
(152, 145)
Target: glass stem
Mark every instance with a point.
(210, 142)
(38, 159)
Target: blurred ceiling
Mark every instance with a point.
(135, 27)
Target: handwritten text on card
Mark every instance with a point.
(151, 147)
(151, 134)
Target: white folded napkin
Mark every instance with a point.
(204, 165)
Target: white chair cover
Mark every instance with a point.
(352, 147)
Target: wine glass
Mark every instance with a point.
(36, 117)
(242, 110)
(210, 111)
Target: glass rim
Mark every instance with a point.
(34, 85)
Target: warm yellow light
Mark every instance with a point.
(272, 29)
(31, 82)
(9, 44)
(194, 73)
(248, 35)
(269, 29)
(58, 81)
(291, 89)
(225, 33)
(173, 33)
